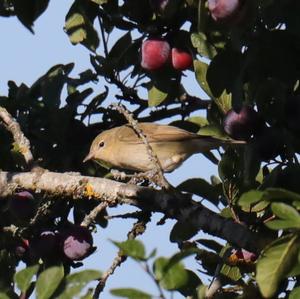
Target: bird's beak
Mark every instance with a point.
(88, 157)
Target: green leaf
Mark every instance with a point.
(213, 131)
(211, 244)
(232, 272)
(132, 248)
(200, 72)
(23, 278)
(74, 283)
(88, 295)
(170, 277)
(4, 296)
(48, 281)
(79, 25)
(249, 198)
(273, 194)
(193, 281)
(198, 120)
(156, 96)
(201, 188)
(182, 231)
(281, 224)
(289, 217)
(130, 293)
(177, 257)
(285, 211)
(275, 262)
(28, 11)
(224, 102)
(295, 293)
(204, 48)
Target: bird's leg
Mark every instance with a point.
(119, 175)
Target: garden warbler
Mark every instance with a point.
(121, 147)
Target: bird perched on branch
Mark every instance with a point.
(121, 147)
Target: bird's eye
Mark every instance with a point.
(101, 144)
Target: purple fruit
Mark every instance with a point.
(77, 243)
(46, 245)
(241, 125)
(225, 10)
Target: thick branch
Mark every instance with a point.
(68, 186)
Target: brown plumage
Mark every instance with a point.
(121, 147)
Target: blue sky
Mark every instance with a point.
(24, 58)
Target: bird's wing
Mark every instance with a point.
(154, 133)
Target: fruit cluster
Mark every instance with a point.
(157, 52)
(71, 243)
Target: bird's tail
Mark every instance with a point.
(206, 143)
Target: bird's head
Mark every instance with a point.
(99, 150)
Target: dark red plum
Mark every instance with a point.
(155, 53)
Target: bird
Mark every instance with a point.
(122, 148)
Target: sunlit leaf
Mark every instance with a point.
(200, 72)
(132, 248)
(275, 262)
(48, 281)
(170, 278)
(24, 277)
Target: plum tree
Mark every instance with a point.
(244, 58)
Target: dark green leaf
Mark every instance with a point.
(23, 278)
(182, 231)
(273, 194)
(211, 244)
(28, 11)
(130, 293)
(193, 282)
(223, 72)
(201, 188)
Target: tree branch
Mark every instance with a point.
(21, 141)
(66, 186)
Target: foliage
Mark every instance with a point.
(253, 61)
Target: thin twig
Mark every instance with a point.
(162, 181)
(88, 219)
(103, 36)
(149, 272)
(138, 228)
(21, 141)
